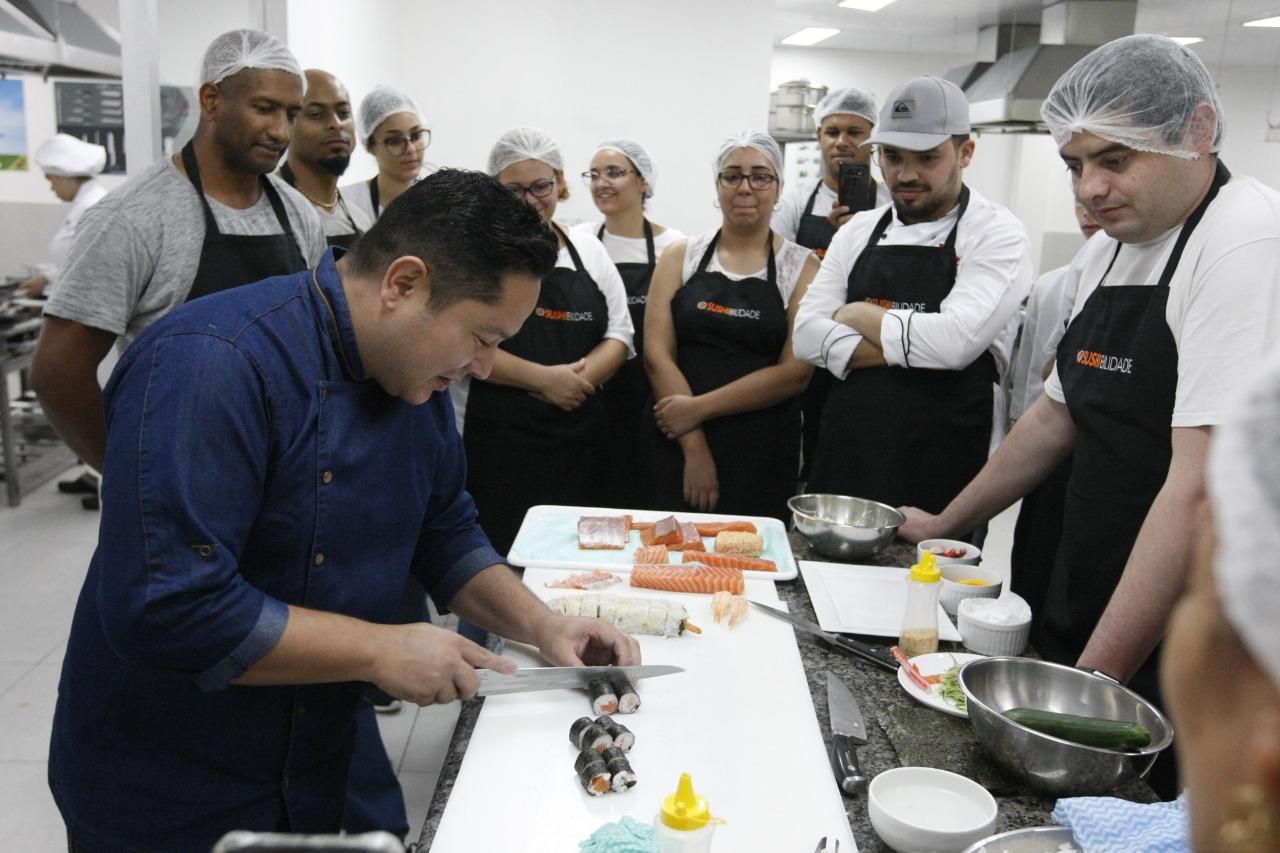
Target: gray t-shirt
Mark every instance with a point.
(136, 252)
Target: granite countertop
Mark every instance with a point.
(899, 730)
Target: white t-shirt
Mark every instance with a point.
(786, 219)
(788, 262)
(598, 265)
(1048, 312)
(358, 195)
(339, 222)
(1224, 298)
(629, 250)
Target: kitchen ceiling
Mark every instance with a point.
(951, 26)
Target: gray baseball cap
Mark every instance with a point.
(921, 114)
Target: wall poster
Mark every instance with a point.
(13, 127)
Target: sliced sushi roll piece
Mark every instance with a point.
(603, 698)
(594, 738)
(611, 753)
(623, 738)
(593, 774)
(622, 776)
(626, 698)
(578, 728)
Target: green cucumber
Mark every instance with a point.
(1090, 731)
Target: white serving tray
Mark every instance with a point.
(854, 599)
(548, 538)
(739, 720)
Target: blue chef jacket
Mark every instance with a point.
(249, 466)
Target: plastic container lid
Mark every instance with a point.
(684, 809)
(926, 571)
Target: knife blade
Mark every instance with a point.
(848, 731)
(872, 654)
(557, 677)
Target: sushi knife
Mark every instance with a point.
(847, 732)
(557, 677)
(873, 654)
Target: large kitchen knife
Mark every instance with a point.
(557, 677)
(848, 731)
(873, 654)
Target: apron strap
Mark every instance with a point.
(813, 196)
(771, 267)
(568, 244)
(373, 196)
(648, 240)
(273, 197)
(963, 206)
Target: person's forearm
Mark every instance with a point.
(318, 648)
(664, 376)
(757, 390)
(1156, 573)
(1040, 440)
(865, 318)
(497, 601)
(604, 360)
(866, 354)
(72, 401)
(516, 372)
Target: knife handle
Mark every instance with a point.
(844, 758)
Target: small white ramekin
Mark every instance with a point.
(985, 637)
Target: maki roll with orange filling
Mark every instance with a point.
(627, 699)
(623, 738)
(593, 773)
(622, 776)
(603, 698)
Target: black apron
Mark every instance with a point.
(724, 330)
(815, 232)
(341, 241)
(627, 393)
(1118, 364)
(231, 260)
(373, 197)
(906, 436)
(521, 451)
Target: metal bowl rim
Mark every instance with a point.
(791, 506)
(1019, 833)
(1152, 749)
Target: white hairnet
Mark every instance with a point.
(757, 139)
(846, 102)
(524, 143)
(1244, 486)
(639, 158)
(1140, 91)
(237, 50)
(70, 157)
(377, 106)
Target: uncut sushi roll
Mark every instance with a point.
(593, 773)
(623, 738)
(604, 700)
(626, 698)
(622, 777)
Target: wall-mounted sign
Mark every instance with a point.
(13, 127)
(94, 112)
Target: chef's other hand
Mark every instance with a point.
(431, 666)
(32, 288)
(677, 414)
(564, 386)
(701, 485)
(578, 641)
(919, 525)
(839, 215)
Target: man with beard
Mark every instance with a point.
(914, 312)
(206, 220)
(319, 154)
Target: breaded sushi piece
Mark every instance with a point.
(739, 543)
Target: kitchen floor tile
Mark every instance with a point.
(430, 738)
(395, 729)
(417, 788)
(29, 821)
(10, 673)
(26, 714)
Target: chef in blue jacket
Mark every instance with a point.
(279, 459)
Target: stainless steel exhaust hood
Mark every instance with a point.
(56, 37)
(1007, 97)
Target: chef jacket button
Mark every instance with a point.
(328, 477)
(324, 394)
(319, 558)
(205, 551)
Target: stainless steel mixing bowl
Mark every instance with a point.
(838, 527)
(1039, 839)
(1056, 766)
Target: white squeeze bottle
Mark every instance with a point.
(920, 621)
(684, 822)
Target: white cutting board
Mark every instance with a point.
(739, 720)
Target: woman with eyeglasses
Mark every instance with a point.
(622, 178)
(391, 129)
(534, 429)
(718, 348)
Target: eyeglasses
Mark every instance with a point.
(610, 174)
(756, 180)
(399, 145)
(537, 189)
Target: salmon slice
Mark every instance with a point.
(711, 528)
(665, 531)
(594, 579)
(651, 555)
(689, 539)
(604, 532)
(641, 525)
(689, 578)
(733, 561)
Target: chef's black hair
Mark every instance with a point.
(467, 228)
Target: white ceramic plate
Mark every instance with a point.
(548, 539)
(935, 664)
(870, 600)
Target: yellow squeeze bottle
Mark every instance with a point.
(684, 822)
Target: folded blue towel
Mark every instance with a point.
(625, 836)
(1109, 825)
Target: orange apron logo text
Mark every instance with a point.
(716, 308)
(889, 303)
(569, 316)
(1110, 363)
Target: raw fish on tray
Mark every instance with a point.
(604, 532)
(711, 528)
(689, 539)
(656, 616)
(594, 579)
(732, 561)
(732, 608)
(665, 531)
(652, 555)
(691, 577)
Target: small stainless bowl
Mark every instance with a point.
(1053, 765)
(1037, 839)
(838, 527)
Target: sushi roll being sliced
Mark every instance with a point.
(622, 776)
(625, 697)
(593, 774)
(623, 738)
(603, 698)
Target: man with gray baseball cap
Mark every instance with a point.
(914, 312)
